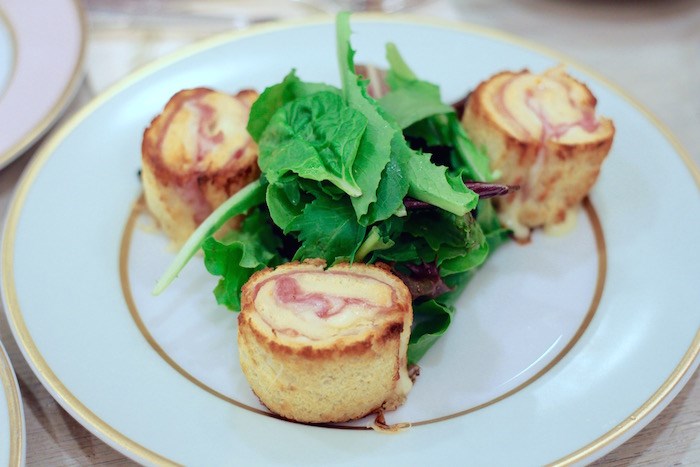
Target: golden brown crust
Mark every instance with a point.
(555, 162)
(195, 155)
(335, 378)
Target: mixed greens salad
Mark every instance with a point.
(348, 177)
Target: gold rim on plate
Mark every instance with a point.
(125, 444)
(14, 409)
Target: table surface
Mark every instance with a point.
(651, 49)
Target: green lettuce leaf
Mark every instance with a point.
(413, 101)
(430, 321)
(393, 185)
(285, 201)
(375, 241)
(495, 233)
(316, 137)
(277, 96)
(375, 148)
(328, 229)
(434, 185)
(236, 257)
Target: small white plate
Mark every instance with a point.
(559, 352)
(41, 56)
(12, 429)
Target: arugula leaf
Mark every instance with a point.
(375, 241)
(328, 229)
(474, 160)
(413, 100)
(316, 137)
(239, 255)
(375, 148)
(432, 184)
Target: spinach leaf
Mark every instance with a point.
(328, 229)
(316, 137)
(430, 321)
(277, 96)
(285, 201)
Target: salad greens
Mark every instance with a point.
(349, 177)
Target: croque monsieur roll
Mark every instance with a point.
(326, 345)
(541, 132)
(195, 155)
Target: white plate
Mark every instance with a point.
(560, 351)
(41, 55)
(12, 430)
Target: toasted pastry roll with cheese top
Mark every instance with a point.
(195, 155)
(541, 132)
(320, 346)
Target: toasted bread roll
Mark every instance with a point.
(195, 155)
(320, 346)
(542, 133)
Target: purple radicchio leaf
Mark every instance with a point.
(423, 280)
(483, 189)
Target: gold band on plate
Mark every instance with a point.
(116, 438)
(139, 207)
(14, 409)
(32, 354)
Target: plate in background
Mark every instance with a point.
(41, 56)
